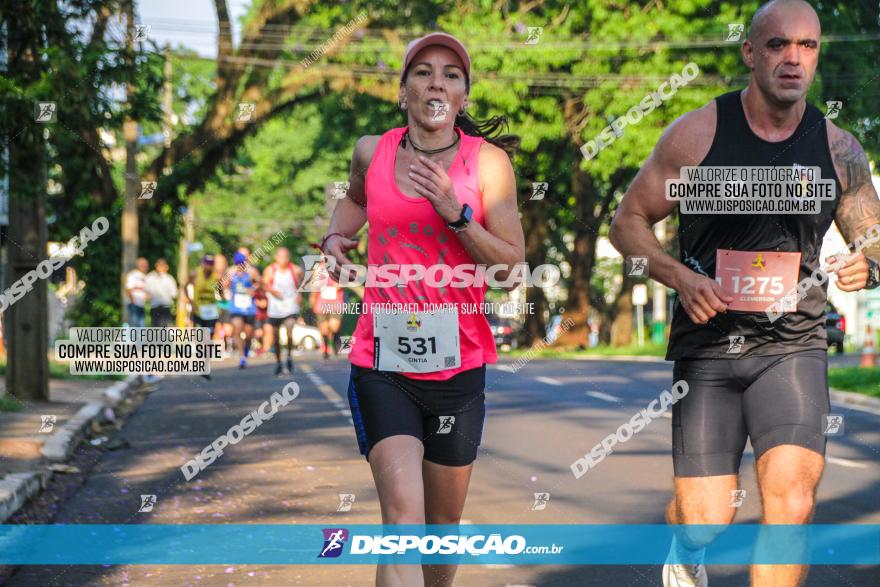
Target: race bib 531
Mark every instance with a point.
(421, 342)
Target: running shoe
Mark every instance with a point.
(685, 575)
(242, 363)
(289, 366)
(278, 369)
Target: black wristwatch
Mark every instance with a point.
(873, 274)
(466, 214)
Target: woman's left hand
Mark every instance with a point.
(433, 183)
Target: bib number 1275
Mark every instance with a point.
(757, 279)
(747, 285)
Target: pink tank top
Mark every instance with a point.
(407, 230)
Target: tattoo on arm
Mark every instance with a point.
(859, 206)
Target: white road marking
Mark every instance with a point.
(548, 380)
(603, 396)
(330, 393)
(846, 462)
(614, 379)
(667, 415)
(508, 368)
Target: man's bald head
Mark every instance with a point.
(779, 11)
(782, 50)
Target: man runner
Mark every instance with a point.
(223, 331)
(202, 289)
(750, 375)
(281, 280)
(243, 310)
(327, 306)
(203, 285)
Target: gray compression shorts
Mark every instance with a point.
(773, 400)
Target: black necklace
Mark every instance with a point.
(428, 151)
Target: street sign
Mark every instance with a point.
(640, 294)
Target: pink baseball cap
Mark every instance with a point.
(442, 39)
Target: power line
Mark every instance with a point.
(372, 39)
(405, 33)
(550, 79)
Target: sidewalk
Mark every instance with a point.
(43, 433)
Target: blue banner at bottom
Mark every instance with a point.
(516, 544)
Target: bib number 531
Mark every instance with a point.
(417, 342)
(416, 345)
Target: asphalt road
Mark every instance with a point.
(540, 419)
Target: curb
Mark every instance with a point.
(59, 446)
(17, 488)
(855, 400)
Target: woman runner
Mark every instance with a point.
(438, 191)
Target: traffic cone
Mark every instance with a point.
(869, 353)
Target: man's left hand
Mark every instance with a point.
(851, 270)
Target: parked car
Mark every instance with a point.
(504, 330)
(304, 337)
(835, 326)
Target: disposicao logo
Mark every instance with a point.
(334, 541)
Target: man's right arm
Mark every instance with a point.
(685, 143)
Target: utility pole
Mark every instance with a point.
(183, 264)
(132, 182)
(26, 320)
(168, 111)
(4, 189)
(187, 237)
(658, 329)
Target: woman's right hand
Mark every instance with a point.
(337, 248)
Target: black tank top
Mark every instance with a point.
(701, 235)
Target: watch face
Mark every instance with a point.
(467, 212)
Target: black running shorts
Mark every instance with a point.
(771, 400)
(201, 323)
(249, 319)
(447, 416)
(278, 322)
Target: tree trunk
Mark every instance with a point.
(535, 229)
(621, 329)
(26, 320)
(582, 259)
